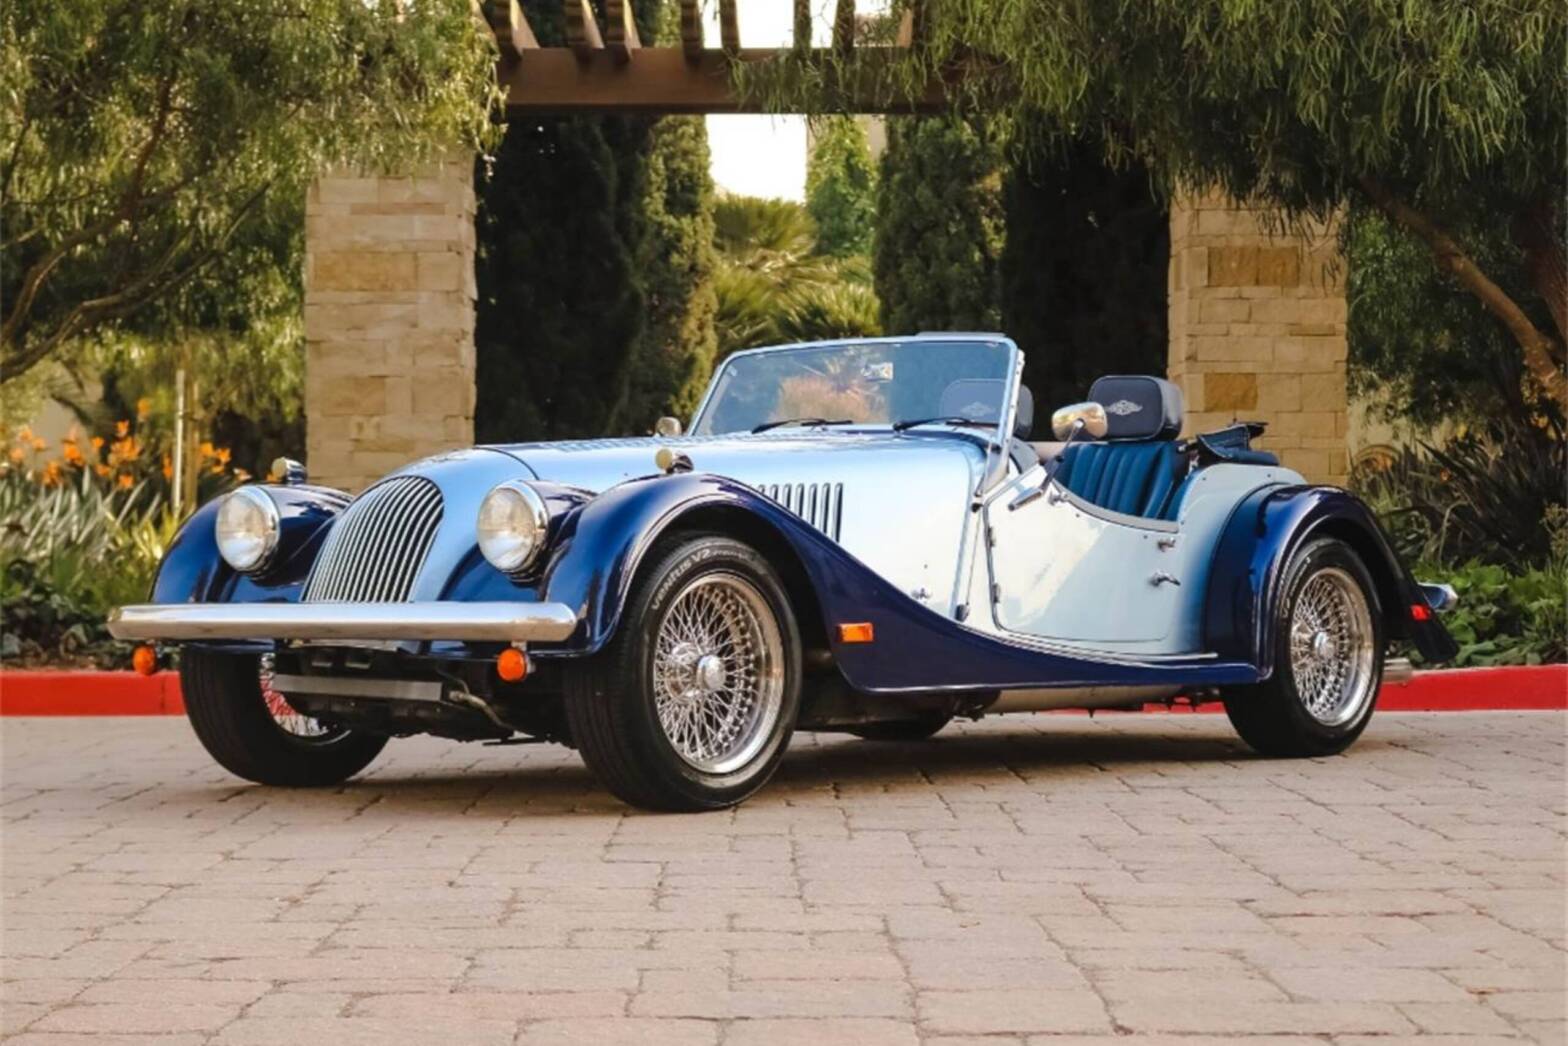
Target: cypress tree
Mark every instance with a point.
(1083, 272)
(594, 269)
(841, 187)
(939, 226)
(560, 311)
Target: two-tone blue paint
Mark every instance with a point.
(1250, 560)
(597, 544)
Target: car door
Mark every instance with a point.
(1064, 569)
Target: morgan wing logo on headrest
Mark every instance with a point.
(1122, 408)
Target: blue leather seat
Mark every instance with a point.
(1134, 478)
(1136, 469)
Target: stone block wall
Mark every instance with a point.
(1257, 330)
(389, 321)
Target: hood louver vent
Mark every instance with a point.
(377, 547)
(820, 504)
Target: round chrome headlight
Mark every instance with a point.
(247, 528)
(511, 526)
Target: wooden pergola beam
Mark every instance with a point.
(620, 29)
(912, 25)
(844, 28)
(729, 26)
(802, 40)
(513, 34)
(582, 31)
(560, 80)
(691, 29)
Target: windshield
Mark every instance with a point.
(867, 383)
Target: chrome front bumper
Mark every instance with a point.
(475, 622)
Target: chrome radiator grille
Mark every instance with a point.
(376, 548)
(820, 504)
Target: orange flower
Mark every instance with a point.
(24, 434)
(97, 442)
(125, 481)
(122, 429)
(143, 407)
(18, 454)
(40, 444)
(168, 468)
(102, 470)
(51, 474)
(206, 449)
(73, 454)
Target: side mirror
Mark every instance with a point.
(667, 427)
(1087, 418)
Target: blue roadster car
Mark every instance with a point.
(855, 536)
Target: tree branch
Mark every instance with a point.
(1539, 349)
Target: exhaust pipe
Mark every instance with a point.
(1398, 670)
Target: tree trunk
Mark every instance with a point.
(1540, 350)
(1539, 233)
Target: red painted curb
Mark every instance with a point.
(68, 692)
(50, 692)
(1512, 688)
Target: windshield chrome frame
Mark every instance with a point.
(999, 437)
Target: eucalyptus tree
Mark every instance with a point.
(137, 140)
(1441, 113)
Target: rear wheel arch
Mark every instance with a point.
(1388, 584)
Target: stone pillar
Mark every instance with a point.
(1257, 330)
(389, 321)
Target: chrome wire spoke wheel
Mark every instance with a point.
(285, 716)
(1331, 646)
(718, 672)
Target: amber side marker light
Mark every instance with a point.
(856, 632)
(512, 665)
(145, 660)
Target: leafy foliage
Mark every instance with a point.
(677, 269)
(73, 550)
(1420, 344)
(841, 187)
(1426, 110)
(1480, 496)
(939, 229)
(1084, 270)
(771, 285)
(139, 142)
(1506, 618)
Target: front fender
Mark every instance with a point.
(1264, 533)
(192, 571)
(604, 541)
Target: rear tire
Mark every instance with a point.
(922, 729)
(691, 704)
(230, 713)
(1328, 659)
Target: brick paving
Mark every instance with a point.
(1043, 880)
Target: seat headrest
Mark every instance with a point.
(1138, 406)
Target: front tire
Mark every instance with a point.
(254, 734)
(692, 703)
(1328, 659)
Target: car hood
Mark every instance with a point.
(759, 460)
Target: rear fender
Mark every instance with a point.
(1266, 530)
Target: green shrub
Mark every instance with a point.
(72, 551)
